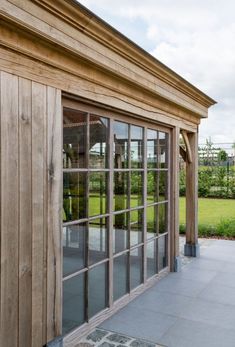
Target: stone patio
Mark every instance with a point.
(195, 307)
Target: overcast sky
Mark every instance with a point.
(194, 38)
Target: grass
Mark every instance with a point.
(210, 211)
(216, 217)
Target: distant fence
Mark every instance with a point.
(216, 173)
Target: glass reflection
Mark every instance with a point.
(152, 148)
(73, 248)
(163, 185)
(162, 252)
(97, 193)
(136, 149)
(152, 186)
(136, 227)
(136, 268)
(120, 132)
(120, 191)
(74, 138)
(163, 153)
(98, 151)
(136, 189)
(74, 196)
(97, 242)
(120, 275)
(97, 289)
(151, 259)
(162, 208)
(152, 212)
(73, 303)
(120, 232)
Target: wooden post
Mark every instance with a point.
(175, 263)
(191, 247)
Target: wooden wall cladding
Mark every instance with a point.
(30, 192)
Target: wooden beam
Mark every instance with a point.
(183, 153)
(174, 206)
(188, 146)
(192, 194)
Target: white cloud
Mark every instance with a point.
(194, 38)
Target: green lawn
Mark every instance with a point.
(210, 211)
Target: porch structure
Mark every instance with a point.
(89, 181)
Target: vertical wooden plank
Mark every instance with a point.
(173, 214)
(25, 216)
(192, 192)
(54, 251)
(9, 210)
(38, 227)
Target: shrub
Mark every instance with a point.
(224, 229)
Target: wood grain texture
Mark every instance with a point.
(54, 248)
(25, 215)
(192, 192)
(38, 221)
(174, 197)
(9, 210)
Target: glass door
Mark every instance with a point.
(115, 211)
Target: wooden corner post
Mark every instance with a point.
(175, 265)
(191, 247)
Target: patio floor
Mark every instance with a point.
(195, 307)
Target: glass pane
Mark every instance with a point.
(120, 133)
(163, 185)
(136, 268)
(120, 232)
(73, 248)
(136, 227)
(97, 292)
(151, 259)
(152, 212)
(162, 252)
(120, 283)
(97, 193)
(98, 234)
(74, 138)
(120, 190)
(163, 153)
(152, 148)
(136, 189)
(162, 208)
(136, 149)
(152, 186)
(98, 151)
(74, 196)
(73, 303)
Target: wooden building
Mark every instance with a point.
(89, 133)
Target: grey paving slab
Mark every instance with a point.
(169, 303)
(211, 313)
(175, 284)
(207, 264)
(141, 323)
(224, 278)
(187, 333)
(201, 275)
(219, 293)
(194, 308)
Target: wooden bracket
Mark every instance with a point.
(183, 153)
(188, 147)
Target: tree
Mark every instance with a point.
(222, 156)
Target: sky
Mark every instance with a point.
(195, 38)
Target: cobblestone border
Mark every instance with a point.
(103, 338)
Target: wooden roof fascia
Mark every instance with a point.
(89, 23)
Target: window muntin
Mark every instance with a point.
(128, 188)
